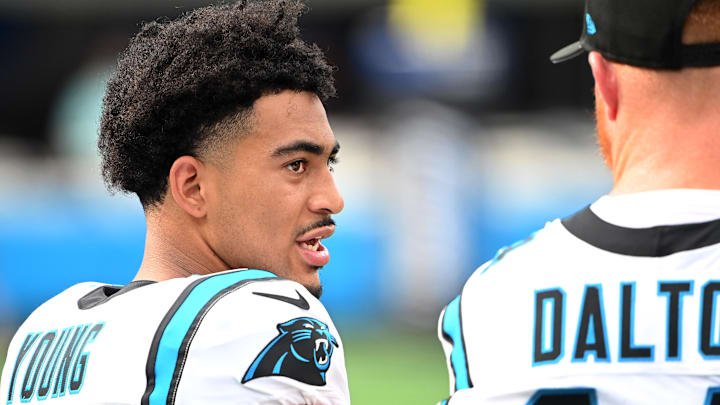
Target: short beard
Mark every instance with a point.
(315, 290)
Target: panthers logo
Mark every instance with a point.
(301, 351)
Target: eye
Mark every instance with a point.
(297, 166)
(332, 161)
(307, 325)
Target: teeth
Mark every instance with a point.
(314, 247)
(323, 355)
(321, 342)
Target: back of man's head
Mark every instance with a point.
(670, 55)
(656, 65)
(180, 82)
(656, 34)
(690, 88)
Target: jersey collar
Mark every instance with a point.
(104, 293)
(650, 224)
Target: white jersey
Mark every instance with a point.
(618, 304)
(240, 337)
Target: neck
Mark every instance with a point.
(665, 133)
(175, 248)
(661, 155)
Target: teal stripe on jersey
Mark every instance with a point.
(452, 328)
(177, 328)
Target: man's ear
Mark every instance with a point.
(606, 83)
(185, 183)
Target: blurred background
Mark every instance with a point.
(458, 137)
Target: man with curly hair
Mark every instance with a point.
(216, 122)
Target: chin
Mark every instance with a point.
(315, 290)
(307, 276)
(313, 284)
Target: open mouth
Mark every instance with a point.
(312, 244)
(321, 355)
(311, 250)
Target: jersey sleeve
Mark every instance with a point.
(452, 336)
(450, 333)
(457, 334)
(262, 342)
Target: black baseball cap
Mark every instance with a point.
(645, 33)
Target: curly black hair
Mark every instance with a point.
(178, 79)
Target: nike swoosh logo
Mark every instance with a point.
(299, 302)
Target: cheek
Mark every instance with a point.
(279, 206)
(228, 226)
(255, 221)
(254, 214)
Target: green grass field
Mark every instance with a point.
(395, 367)
(387, 367)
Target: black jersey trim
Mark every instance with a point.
(657, 241)
(150, 367)
(152, 356)
(187, 340)
(105, 293)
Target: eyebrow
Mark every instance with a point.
(304, 146)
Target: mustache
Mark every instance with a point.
(327, 221)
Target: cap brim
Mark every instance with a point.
(567, 52)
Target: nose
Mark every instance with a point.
(326, 198)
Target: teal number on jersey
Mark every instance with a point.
(713, 396)
(588, 396)
(564, 396)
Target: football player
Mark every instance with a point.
(617, 304)
(216, 122)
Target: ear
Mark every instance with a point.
(185, 183)
(606, 83)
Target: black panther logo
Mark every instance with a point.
(301, 351)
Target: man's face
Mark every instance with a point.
(270, 202)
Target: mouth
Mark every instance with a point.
(312, 244)
(311, 250)
(321, 355)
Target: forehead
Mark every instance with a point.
(287, 117)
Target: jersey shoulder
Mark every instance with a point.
(539, 246)
(487, 286)
(247, 297)
(262, 335)
(57, 305)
